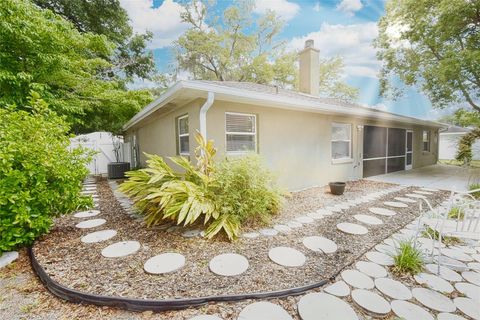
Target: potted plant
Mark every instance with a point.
(337, 188)
(117, 169)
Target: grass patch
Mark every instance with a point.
(408, 259)
(448, 241)
(455, 213)
(475, 186)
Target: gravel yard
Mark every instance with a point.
(82, 267)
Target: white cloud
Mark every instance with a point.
(316, 7)
(350, 6)
(164, 22)
(352, 42)
(285, 9)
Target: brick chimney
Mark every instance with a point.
(309, 61)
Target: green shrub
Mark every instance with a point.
(220, 196)
(40, 178)
(434, 234)
(408, 259)
(475, 186)
(455, 213)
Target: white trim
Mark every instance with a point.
(200, 90)
(344, 159)
(408, 166)
(181, 135)
(203, 114)
(254, 134)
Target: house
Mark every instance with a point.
(306, 139)
(449, 139)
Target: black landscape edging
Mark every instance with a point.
(152, 305)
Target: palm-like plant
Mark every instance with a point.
(163, 194)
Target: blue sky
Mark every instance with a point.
(339, 27)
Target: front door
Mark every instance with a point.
(409, 150)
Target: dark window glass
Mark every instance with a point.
(396, 142)
(409, 159)
(374, 142)
(409, 141)
(395, 164)
(373, 167)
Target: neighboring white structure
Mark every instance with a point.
(103, 143)
(449, 141)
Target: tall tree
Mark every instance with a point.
(42, 52)
(435, 44)
(108, 18)
(235, 47)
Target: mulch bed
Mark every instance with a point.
(80, 266)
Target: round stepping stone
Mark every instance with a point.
(228, 264)
(90, 223)
(422, 192)
(357, 279)
(371, 269)
(7, 257)
(449, 316)
(434, 282)
(164, 263)
(294, 224)
(392, 288)
(371, 301)
(99, 236)
(314, 306)
(409, 311)
(191, 233)
(474, 265)
(395, 204)
(339, 289)
(456, 254)
(334, 209)
(416, 196)
(451, 263)
(263, 311)
(343, 206)
(250, 235)
(269, 232)
(287, 257)
(324, 212)
(282, 228)
(205, 317)
(433, 300)
(352, 228)
(315, 215)
(472, 277)
(429, 189)
(390, 242)
(465, 249)
(476, 257)
(384, 248)
(121, 249)
(368, 219)
(470, 290)
(380, 258)
(320, 244)
(406, 200)
(445, 273)
(468, 306)
(382, 211)
(305, 219)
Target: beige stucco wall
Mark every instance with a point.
(294, 144)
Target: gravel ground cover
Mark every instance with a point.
(81, 266)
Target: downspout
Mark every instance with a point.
(203, 114)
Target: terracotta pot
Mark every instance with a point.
(337, 188)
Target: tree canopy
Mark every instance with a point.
(435, 44)
(106, 17)
(236, 47)
(42, 52)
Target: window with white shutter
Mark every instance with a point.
(241, 132)
(183, 136)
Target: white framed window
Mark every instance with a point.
(426, 141)
(240, 132)
(183, 136)
(341, 141)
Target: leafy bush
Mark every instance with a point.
(40, 178)
(475, 186)
(223, 196)
(408, 259)
(455, 213)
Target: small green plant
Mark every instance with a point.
(222, 196)
(408, 259)
(435, 235)
(475, 186)
(455, 213)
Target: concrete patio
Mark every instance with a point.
(439, 176)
